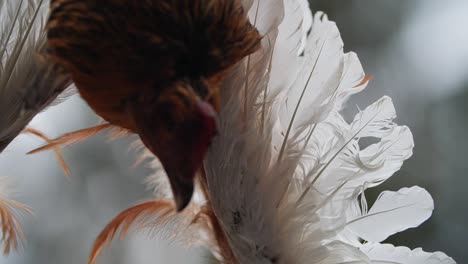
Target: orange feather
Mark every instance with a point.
(72, 137)
(154, 211)
(12, 231)
(55, 148)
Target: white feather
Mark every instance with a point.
(374, 121)
(375, 163)
(266, 15)
(393, 212)
(351, 82)
(28, 82)
(334, 155)
(309, 100)
(290, 44)
(385, 253)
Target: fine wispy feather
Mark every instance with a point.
(28, 83)
(285, 179)
(10, 211)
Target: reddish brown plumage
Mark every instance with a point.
(153, 67)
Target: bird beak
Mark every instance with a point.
(182, 186)
(181, 165)
(182, 180)
(182, 151)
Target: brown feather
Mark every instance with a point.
(55, 148)
(153, 212)
(72, 137)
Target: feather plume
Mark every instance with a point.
(28, 81)
(282, 180)
(12, 232)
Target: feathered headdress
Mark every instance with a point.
(284, 180)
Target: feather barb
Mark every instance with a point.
(154, 211)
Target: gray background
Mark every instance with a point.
(417, 52)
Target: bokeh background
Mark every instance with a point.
(417, 52)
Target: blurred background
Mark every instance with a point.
(417, 52)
